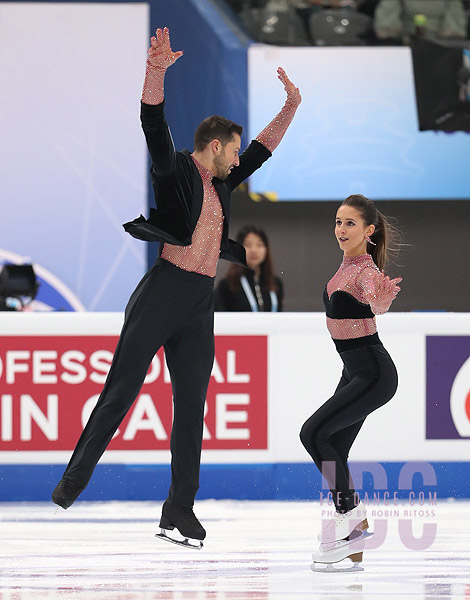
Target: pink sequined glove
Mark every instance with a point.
(273, 133)
(293, 93)
(380, 291)
(160, 57)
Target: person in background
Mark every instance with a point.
(396, 20)
(255, 289)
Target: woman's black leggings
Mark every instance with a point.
(369, 380)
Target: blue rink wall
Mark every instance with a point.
(281, 481)
(271, 372)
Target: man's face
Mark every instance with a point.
(227, 157)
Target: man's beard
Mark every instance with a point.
(222, 171)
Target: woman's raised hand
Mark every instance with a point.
(386, 287)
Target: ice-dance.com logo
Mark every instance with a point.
(414, 512)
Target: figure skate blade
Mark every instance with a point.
(184, 542)
(345, 566)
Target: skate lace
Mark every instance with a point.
(189, 516)
(336, 520)
(68, 487)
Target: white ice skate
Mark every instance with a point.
(342, 524)
(333, 553)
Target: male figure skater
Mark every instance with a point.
(173, 304)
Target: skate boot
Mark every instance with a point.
(342, 524)
(66, 492)
(185, 521)
(349, 550)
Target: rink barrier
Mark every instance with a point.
(271, 372)
(279, 481)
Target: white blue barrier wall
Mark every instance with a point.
(271, 372)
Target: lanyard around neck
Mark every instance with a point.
(251, 297)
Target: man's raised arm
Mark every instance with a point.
(159, 57)
(157, 134)
(273, 133)
(269, 138)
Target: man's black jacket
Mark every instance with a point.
(178, 188)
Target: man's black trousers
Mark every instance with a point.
(175, 309)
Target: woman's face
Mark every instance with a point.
(351, 231)
(255, 250)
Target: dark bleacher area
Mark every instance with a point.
(318, 22)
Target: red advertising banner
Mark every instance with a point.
(50, 384)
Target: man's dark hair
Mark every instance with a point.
(215, 128)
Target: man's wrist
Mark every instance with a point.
(156, 68)
(153, 86)
(293, 101)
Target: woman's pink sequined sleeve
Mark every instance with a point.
(273, 133)
(369, 281)
(152, 92)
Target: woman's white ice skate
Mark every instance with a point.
(342, 524)
(332, 553)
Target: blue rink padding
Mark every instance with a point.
(280, 481)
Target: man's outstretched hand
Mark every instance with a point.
(160, 54)
(292, 92)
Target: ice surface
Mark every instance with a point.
(253, 551)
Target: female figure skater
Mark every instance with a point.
(357, 292)
(255, 289)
